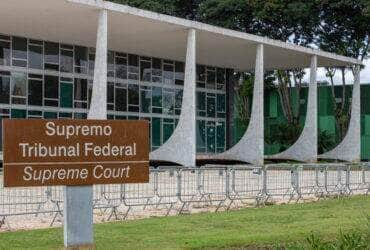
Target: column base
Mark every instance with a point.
(81, 247)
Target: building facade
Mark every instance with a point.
(44, 79)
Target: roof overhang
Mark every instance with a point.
(147, 33)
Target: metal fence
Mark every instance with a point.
(173, 190)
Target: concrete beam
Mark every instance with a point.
(78, 201)
(305, 148)
(181, 146)
(350, 148)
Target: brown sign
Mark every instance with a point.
(74, 152)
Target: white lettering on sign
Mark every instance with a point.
(87, 149)
(69, 131)
(98, 172)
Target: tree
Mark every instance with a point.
(344, 29)
(185, 9)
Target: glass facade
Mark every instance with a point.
(43, 79)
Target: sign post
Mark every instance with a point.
(75, 153)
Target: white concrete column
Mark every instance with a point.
(78, 201)
(350, 148)
(305, 148)
(250, 148)
(181, 146)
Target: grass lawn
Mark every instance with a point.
(248, 227)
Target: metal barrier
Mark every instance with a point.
(176, 190)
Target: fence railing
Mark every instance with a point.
(179, 190)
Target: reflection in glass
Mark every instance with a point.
(35, 56)
(19, 52)
(4, 89)
(51, 56)
(4, 51)
(35, 91)
(81, 63)
(18, 87)
(66, 60)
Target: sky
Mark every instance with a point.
(365, 75)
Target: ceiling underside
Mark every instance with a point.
(73, 23)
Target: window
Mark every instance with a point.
(220, 130)
(35, 97)
(221, 78)
(168, 101)
(168, 72)
(80, 93)
(156, 70)
(201, 76)
(145, 69)
(121, 66)
(168, 128)
(18, 113)
(35, 54)
(51, 92)
(221, 105)
(201, 104)
(50, 115)
(4, 87)
(133, 98)
(211, 105)
(121, 99)
(34, 114)
(19, 52)
(179, 73)
(91, 61)
(178, 101)
(51, 59)
(66, 58)
(211, 78)
(201, 136)
(18, 87)
(110, 65)
(81, 62)
(146, 99)
(4, 50)
(157, 100)
(110, 96)
(156, 132)
(65, 115)
(133, 67)
(211, 137)
(66, 92)
(79, 116)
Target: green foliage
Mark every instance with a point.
(286, 134)
(326, 142)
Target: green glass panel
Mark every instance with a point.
(327, 123)
(273, 107)
(156, 131)
(367, 125)
(18, 113)
(145, 101)
(167, 131)
(211, 137)
(50, 115)
(211, 106)
(201, 136)
(66, 95)
(220, 136)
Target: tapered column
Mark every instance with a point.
(78, 201)
(305, 148)
(181, 146)
(350, 148)
(250, 148)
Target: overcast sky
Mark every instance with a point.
(365, 75)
